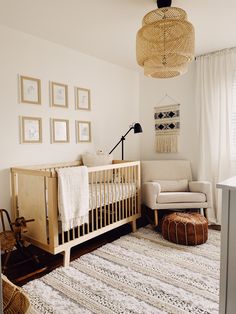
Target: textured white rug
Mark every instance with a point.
(138, 273)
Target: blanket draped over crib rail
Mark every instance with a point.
(73, 196)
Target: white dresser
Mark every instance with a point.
(228, 247)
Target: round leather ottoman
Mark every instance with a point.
(185, 228)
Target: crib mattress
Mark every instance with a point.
(108, 193)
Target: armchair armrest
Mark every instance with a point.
(150, 191)
(202, 187)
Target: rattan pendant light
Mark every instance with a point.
(165, 43)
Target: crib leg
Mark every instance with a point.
(66, 259)
(133, 225)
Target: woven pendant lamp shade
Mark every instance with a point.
(165, 72)
(165, 43)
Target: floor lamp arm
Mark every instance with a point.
(121, 141)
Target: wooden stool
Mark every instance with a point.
(185, 228)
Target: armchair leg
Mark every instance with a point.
(155, 218)
(205, 212)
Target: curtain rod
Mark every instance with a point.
(216, 52)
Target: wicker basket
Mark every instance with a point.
(14, 299)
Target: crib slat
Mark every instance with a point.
(131, 190)
(110, 186)
(122, 193)
(79, 233)
(83, 229)
(129, 195)
(100, 185)
(136, 195)
(126, 192)
(91, 201)
(62, 237)
(134, 189)
(112, 208)
(104, 193)
(96, 198)
(115, 191)
(118, 191)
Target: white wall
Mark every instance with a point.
(182, 90)
(114, 93)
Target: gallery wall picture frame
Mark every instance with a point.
(30, 130)
(83, 131)
(30, 90)
(60, 131)
(83, 98)
(59, 95)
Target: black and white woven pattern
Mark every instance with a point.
(139, 273)
(167, 119)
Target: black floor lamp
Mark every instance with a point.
(137, 129)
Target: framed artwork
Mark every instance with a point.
(83, 131)
(82, 98)
(59, 95)
(30, 90)
(31, 130)
(60, 131)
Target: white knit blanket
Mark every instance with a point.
(73, 196)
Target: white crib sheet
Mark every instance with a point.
(103, 194)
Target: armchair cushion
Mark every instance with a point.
(181, 197)
(202, 187)
(173, 185)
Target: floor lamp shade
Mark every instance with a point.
(138, 128)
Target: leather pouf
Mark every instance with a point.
(185, 228)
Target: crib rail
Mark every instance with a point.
(114, 200)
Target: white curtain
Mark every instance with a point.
(214, 100)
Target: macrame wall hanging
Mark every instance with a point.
(167, 126)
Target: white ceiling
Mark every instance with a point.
(107, 29)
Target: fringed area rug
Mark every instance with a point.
(138, 273)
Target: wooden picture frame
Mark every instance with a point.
(59, 95)
(30, 90)
(60, 131)
(83, 98)
(83, 131)
(31, 130)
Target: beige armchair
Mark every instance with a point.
(167, 184)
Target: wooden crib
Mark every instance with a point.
(114, 201)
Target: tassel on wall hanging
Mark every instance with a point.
(167, 126)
